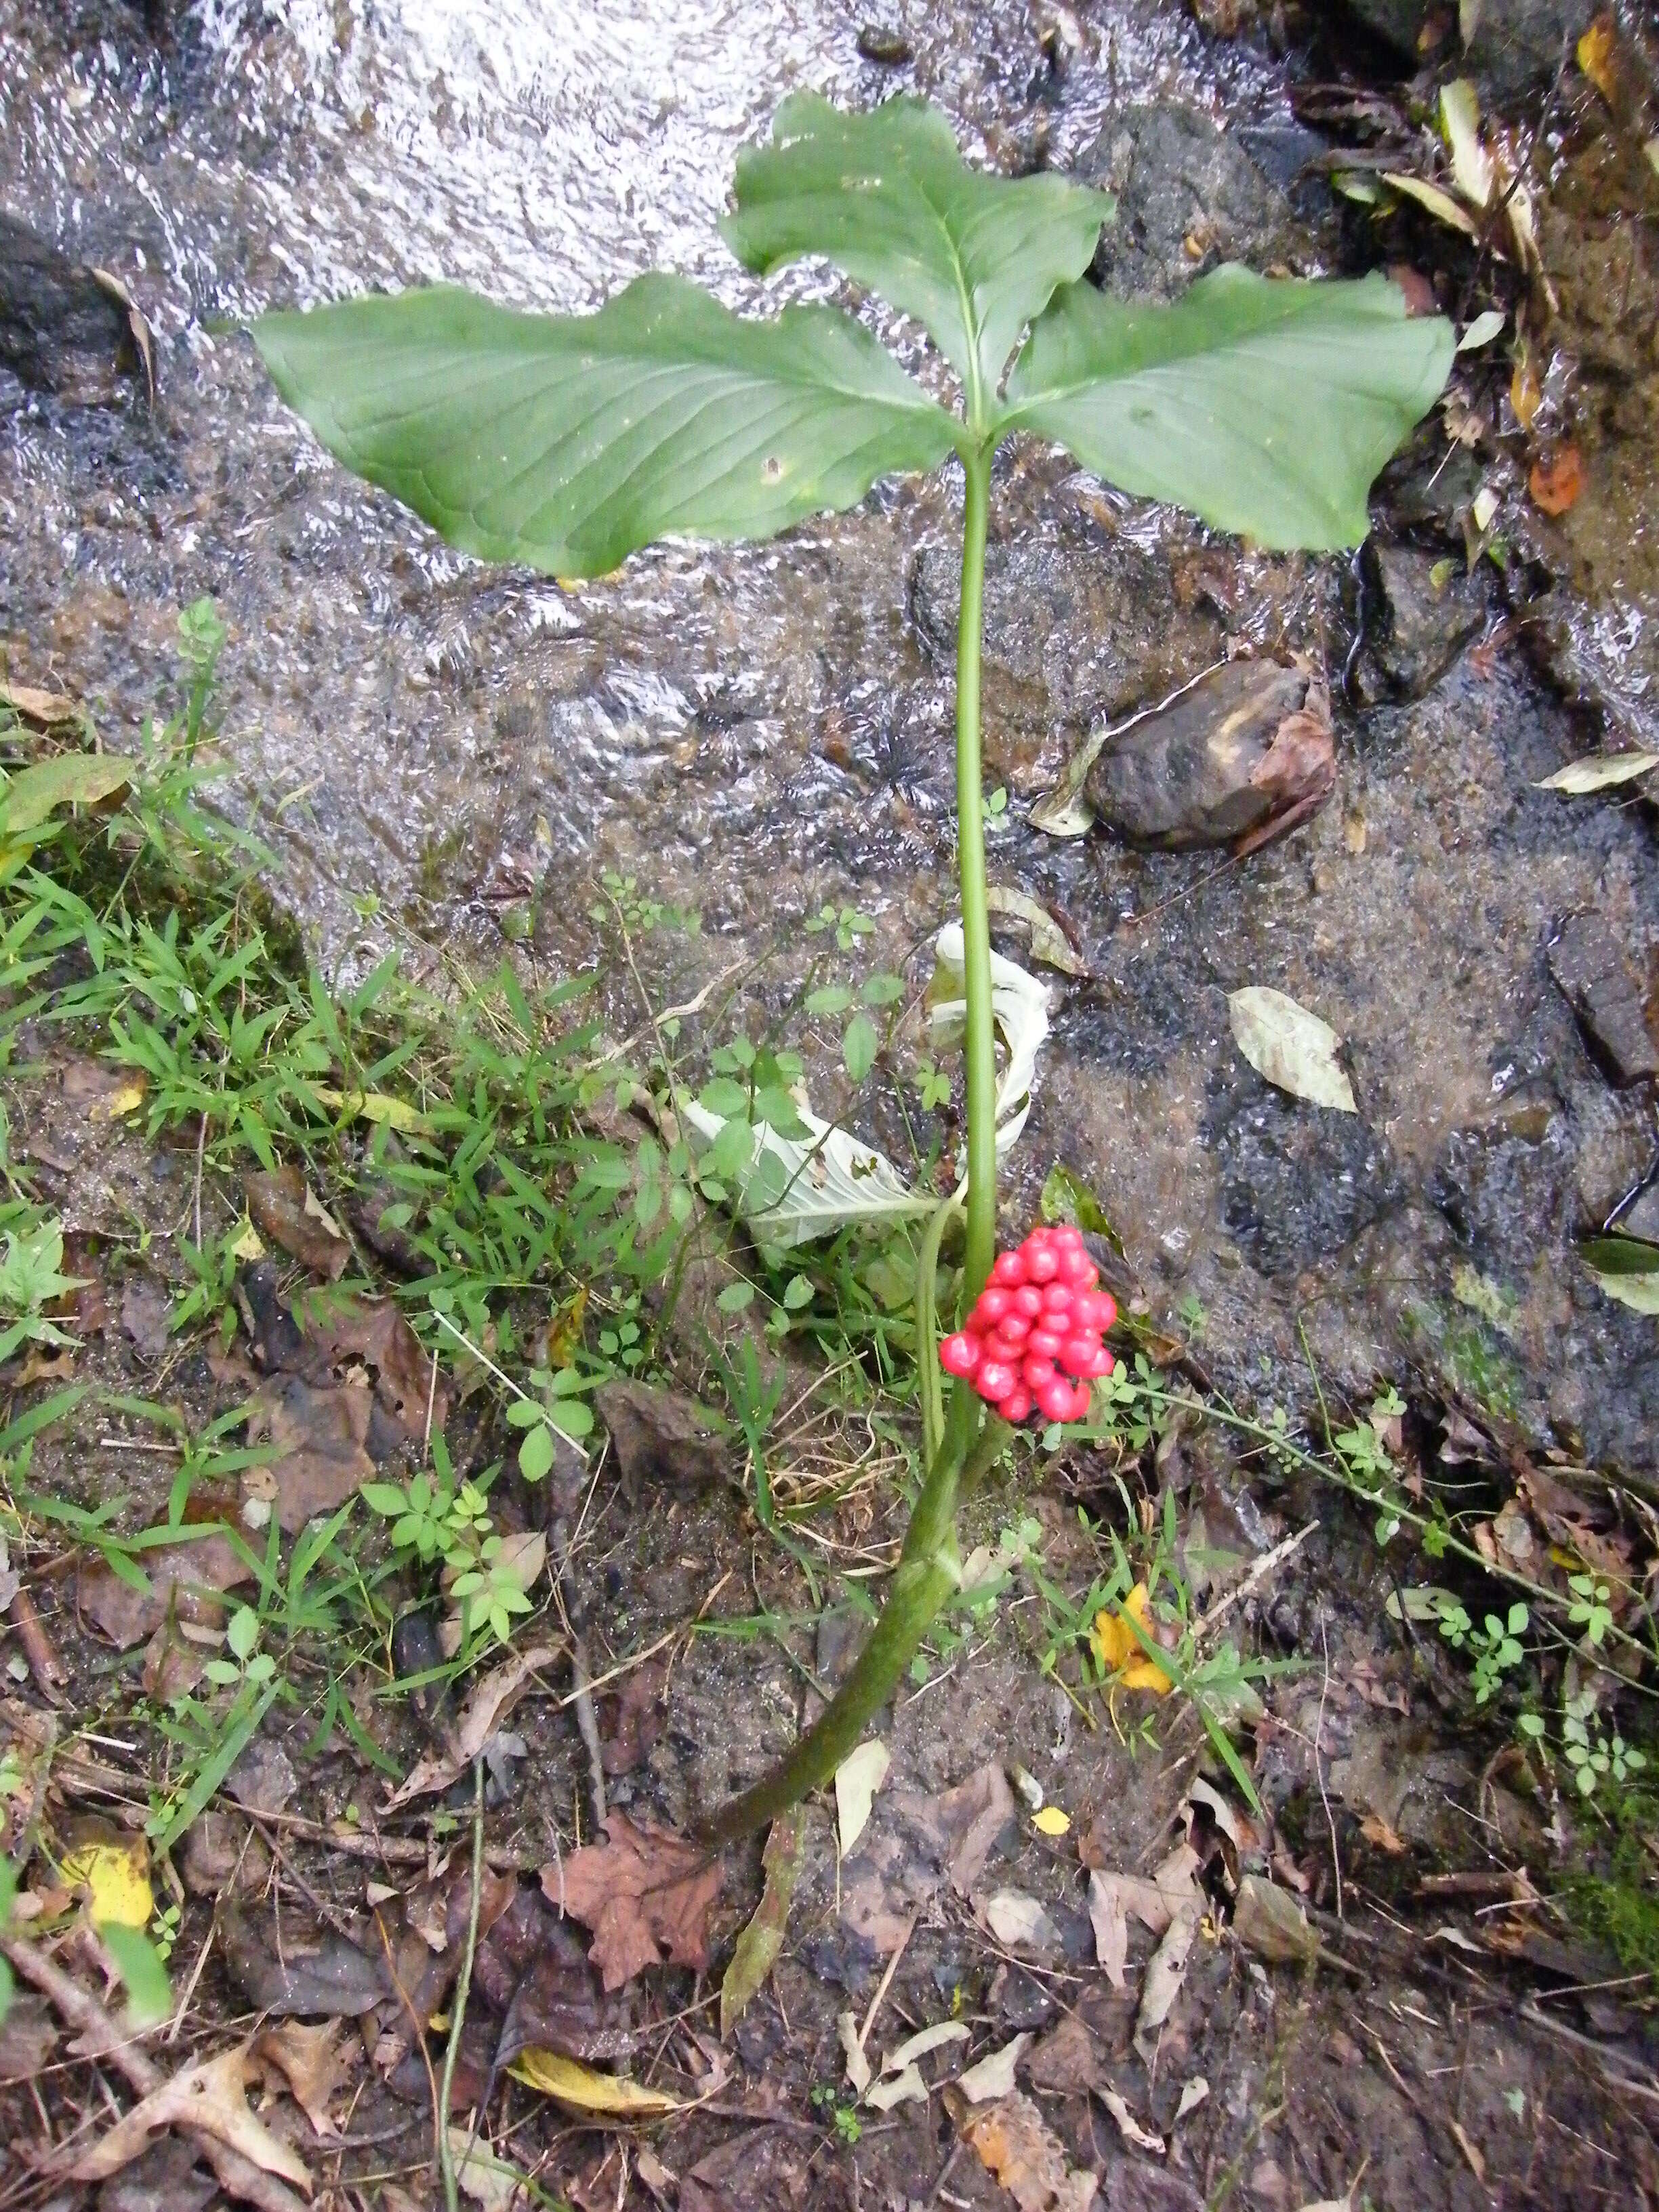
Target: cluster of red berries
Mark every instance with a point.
(1032, 1343)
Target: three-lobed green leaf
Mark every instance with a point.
(1267, 405)
(888, 198)
(568, 442)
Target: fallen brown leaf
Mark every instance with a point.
(533, 1970)
(44, 707)
(1269, 1921)
(285, 1208)
(1377, 1833)
(645, 1893)
(145, 1309)
(185, 1581)
(320, 1441)
(1016, 2146)
(919, 1842)
(315, 2062)
(1154, 1900)
(481, 1715)
(208, 2096)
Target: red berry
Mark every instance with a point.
(1015, 1326)
(959, 1354)
(991, 1305)
(1078, 1352)
(1077, 1268)
(1045, 1342)
(1028, 1300)
(1059, 1298)
(1065, 1237)
(1009, 1270)
(1055, 1399)
(994, 1380)
(1016, 1405)
(1096, 1310)
(1104, 1362)
(1008, 1350)
(1043, 1265)
(1036, 1371)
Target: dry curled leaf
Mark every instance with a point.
(1016, 2147)
(209, 2097)
(1153, 1900)
(315, 2062)
(758, 1946)
(481, 1715)
(992, 2077)
(646, 1895)
(857, 1778)
(288, 1210)
(1128, 2126)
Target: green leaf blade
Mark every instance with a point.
(565, 443)
(888, 198)
(1267, 405)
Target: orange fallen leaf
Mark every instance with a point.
(1556, 483)
(1121, 1650)
(1377, 1831)
(1016, 2145)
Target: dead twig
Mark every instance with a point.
(45, 1665)
(587, 1724)
(458, 2007)
(238, 2177)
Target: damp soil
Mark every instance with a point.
(446, 759)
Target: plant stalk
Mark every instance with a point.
(928, 1569)
(979, 1046)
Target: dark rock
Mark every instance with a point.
(1517, 44)
(883, 44)
(1590, 970)
(63, 328)
(1248, 748)
(1188, 196)
(1422, 612)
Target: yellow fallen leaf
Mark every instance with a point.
(374, 1106)
(586, 2090)
(1596, 50)
(117, 1877)
(1051, 1821)
(249, 1245)
(1121, 1650)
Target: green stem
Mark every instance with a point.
(928, 1569)
(979, 1048)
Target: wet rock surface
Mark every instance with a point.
(465, 745)
(1514, 45)
(1428, 607)
(62, 331)
(1595, 977)
(1190, 195)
